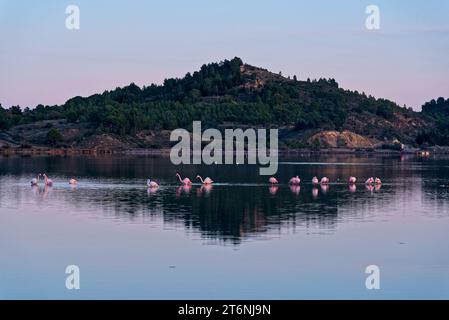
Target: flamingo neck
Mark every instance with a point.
(201, 179)
(179, 177)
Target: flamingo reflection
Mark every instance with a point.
(183, 189)
(152, 190)
(296, 189)
(206, 189)
(315, 193)
(273, 190)
(324, 188)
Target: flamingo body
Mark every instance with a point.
(48, 182)
(205, 181)
(73, 181)
(352, 180)
(35, 181)
(369, 181)
(295, 180)
(315, 181)
(377, 181)
(273, 180)
(324, 180)
(152, 184)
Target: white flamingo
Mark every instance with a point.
(152, 184)
(205, 181)
(35, 181)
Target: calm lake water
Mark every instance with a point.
(240, 239)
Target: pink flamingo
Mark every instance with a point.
(295, 180)
(185, 181)
(315, 181)
(352, 180)
(48, 182)
(205, 181)
(152, 184)
(324, 180)
(273, 180)
(377, 181)
(35, 181)
(73, 182)
(370, 181)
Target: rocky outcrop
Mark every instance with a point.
(344, 139)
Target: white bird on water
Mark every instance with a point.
(35, 181)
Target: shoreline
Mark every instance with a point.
(40, 151)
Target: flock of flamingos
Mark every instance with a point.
(153, 185)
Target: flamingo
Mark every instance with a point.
(377, 181)
(370, 181)
(205, 181)
(324, 180)
(73, 182)
(152, 184)
(273, 180)
(352, 180)
(295, 180)
(48, 182)
(35, 181)
(185, 181)
(315, 181)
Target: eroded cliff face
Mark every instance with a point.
(344, 139)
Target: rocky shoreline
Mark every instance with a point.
(32, 151)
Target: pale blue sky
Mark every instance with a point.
(146, 41)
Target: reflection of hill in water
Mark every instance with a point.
(229, 212)
(233, 213)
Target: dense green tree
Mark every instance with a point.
(54, 136)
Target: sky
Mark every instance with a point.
(119, 42)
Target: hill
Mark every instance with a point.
(311, 113)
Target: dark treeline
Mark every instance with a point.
(219, 93)
(438, 110)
